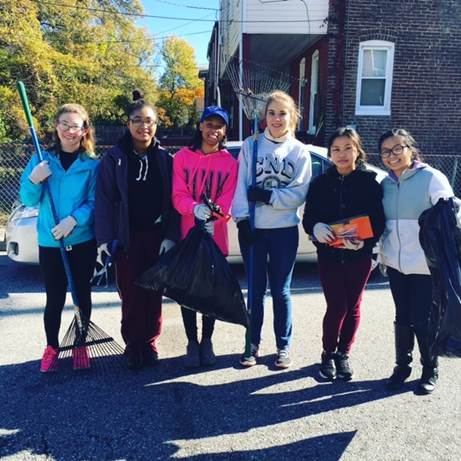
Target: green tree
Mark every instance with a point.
(179, 83)
(88, 54)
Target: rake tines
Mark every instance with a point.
(252, 82)
(103, 350)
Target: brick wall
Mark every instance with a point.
(426, 88)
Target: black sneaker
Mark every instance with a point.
(135, 360)
(428, 380)
(398, 377)
(327, 367)
(251, 360)
(150, 356)
(343, 367)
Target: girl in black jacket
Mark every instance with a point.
(346, 190)
(133, 208)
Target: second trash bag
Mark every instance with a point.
(195, 274)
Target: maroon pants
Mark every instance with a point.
(141, 308)
(343, 285)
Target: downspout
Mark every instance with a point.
(241, 72)
(346, 51)
(217, 66)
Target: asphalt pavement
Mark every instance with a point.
(224, 412)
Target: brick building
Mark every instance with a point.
(372, 64)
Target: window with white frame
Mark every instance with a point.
(374, 78)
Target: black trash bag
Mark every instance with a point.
(441, 241)
(195, 274)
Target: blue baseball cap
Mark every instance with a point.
(211, 111)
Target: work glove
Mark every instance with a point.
(40, 172)
(352, 244)
(103, 253)
(202, 212)
(245, 233)
(64, 228)
(323, 233)
(166, 245)
(258, 194)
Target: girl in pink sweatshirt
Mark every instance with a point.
(205, 167)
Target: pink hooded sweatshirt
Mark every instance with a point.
(195, 172)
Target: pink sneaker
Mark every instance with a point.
(80, 358)
(49, 360)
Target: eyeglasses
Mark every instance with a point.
(140, 122)
(396, 150)
(71, 128)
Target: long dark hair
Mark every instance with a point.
(408, 139)
(355, 138)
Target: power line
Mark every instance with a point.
(178, 18)
(187, 6)
(151, 37)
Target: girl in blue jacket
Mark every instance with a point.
(70, 168)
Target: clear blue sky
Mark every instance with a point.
(196, 32)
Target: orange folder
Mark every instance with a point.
(358, 227)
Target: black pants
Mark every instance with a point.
(412, 295)
(189, 318)
(82, 260)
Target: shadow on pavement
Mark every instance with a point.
(155, 413)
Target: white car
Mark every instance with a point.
(21, 230)
(306, 250)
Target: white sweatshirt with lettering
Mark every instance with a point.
(283, 168)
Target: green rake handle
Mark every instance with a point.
(25, 104)
(65, 257)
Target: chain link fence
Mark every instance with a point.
(449, 165)
(14, 157)
(13, 160)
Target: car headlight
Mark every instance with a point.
(23, 213)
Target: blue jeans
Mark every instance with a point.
(274, 258)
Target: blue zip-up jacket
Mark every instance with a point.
(73, 193)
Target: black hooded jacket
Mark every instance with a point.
(112, 209)
(332, 197)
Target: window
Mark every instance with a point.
(374, 78)
(314, 93)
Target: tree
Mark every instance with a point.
(90, 54)
(179, 83)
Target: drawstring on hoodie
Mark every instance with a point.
(142, 161)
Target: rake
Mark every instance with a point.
(82, 331)
(252, 83)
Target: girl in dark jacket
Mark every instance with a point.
(133, 207)
(346, 190)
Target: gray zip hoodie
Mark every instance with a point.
(285, 169)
